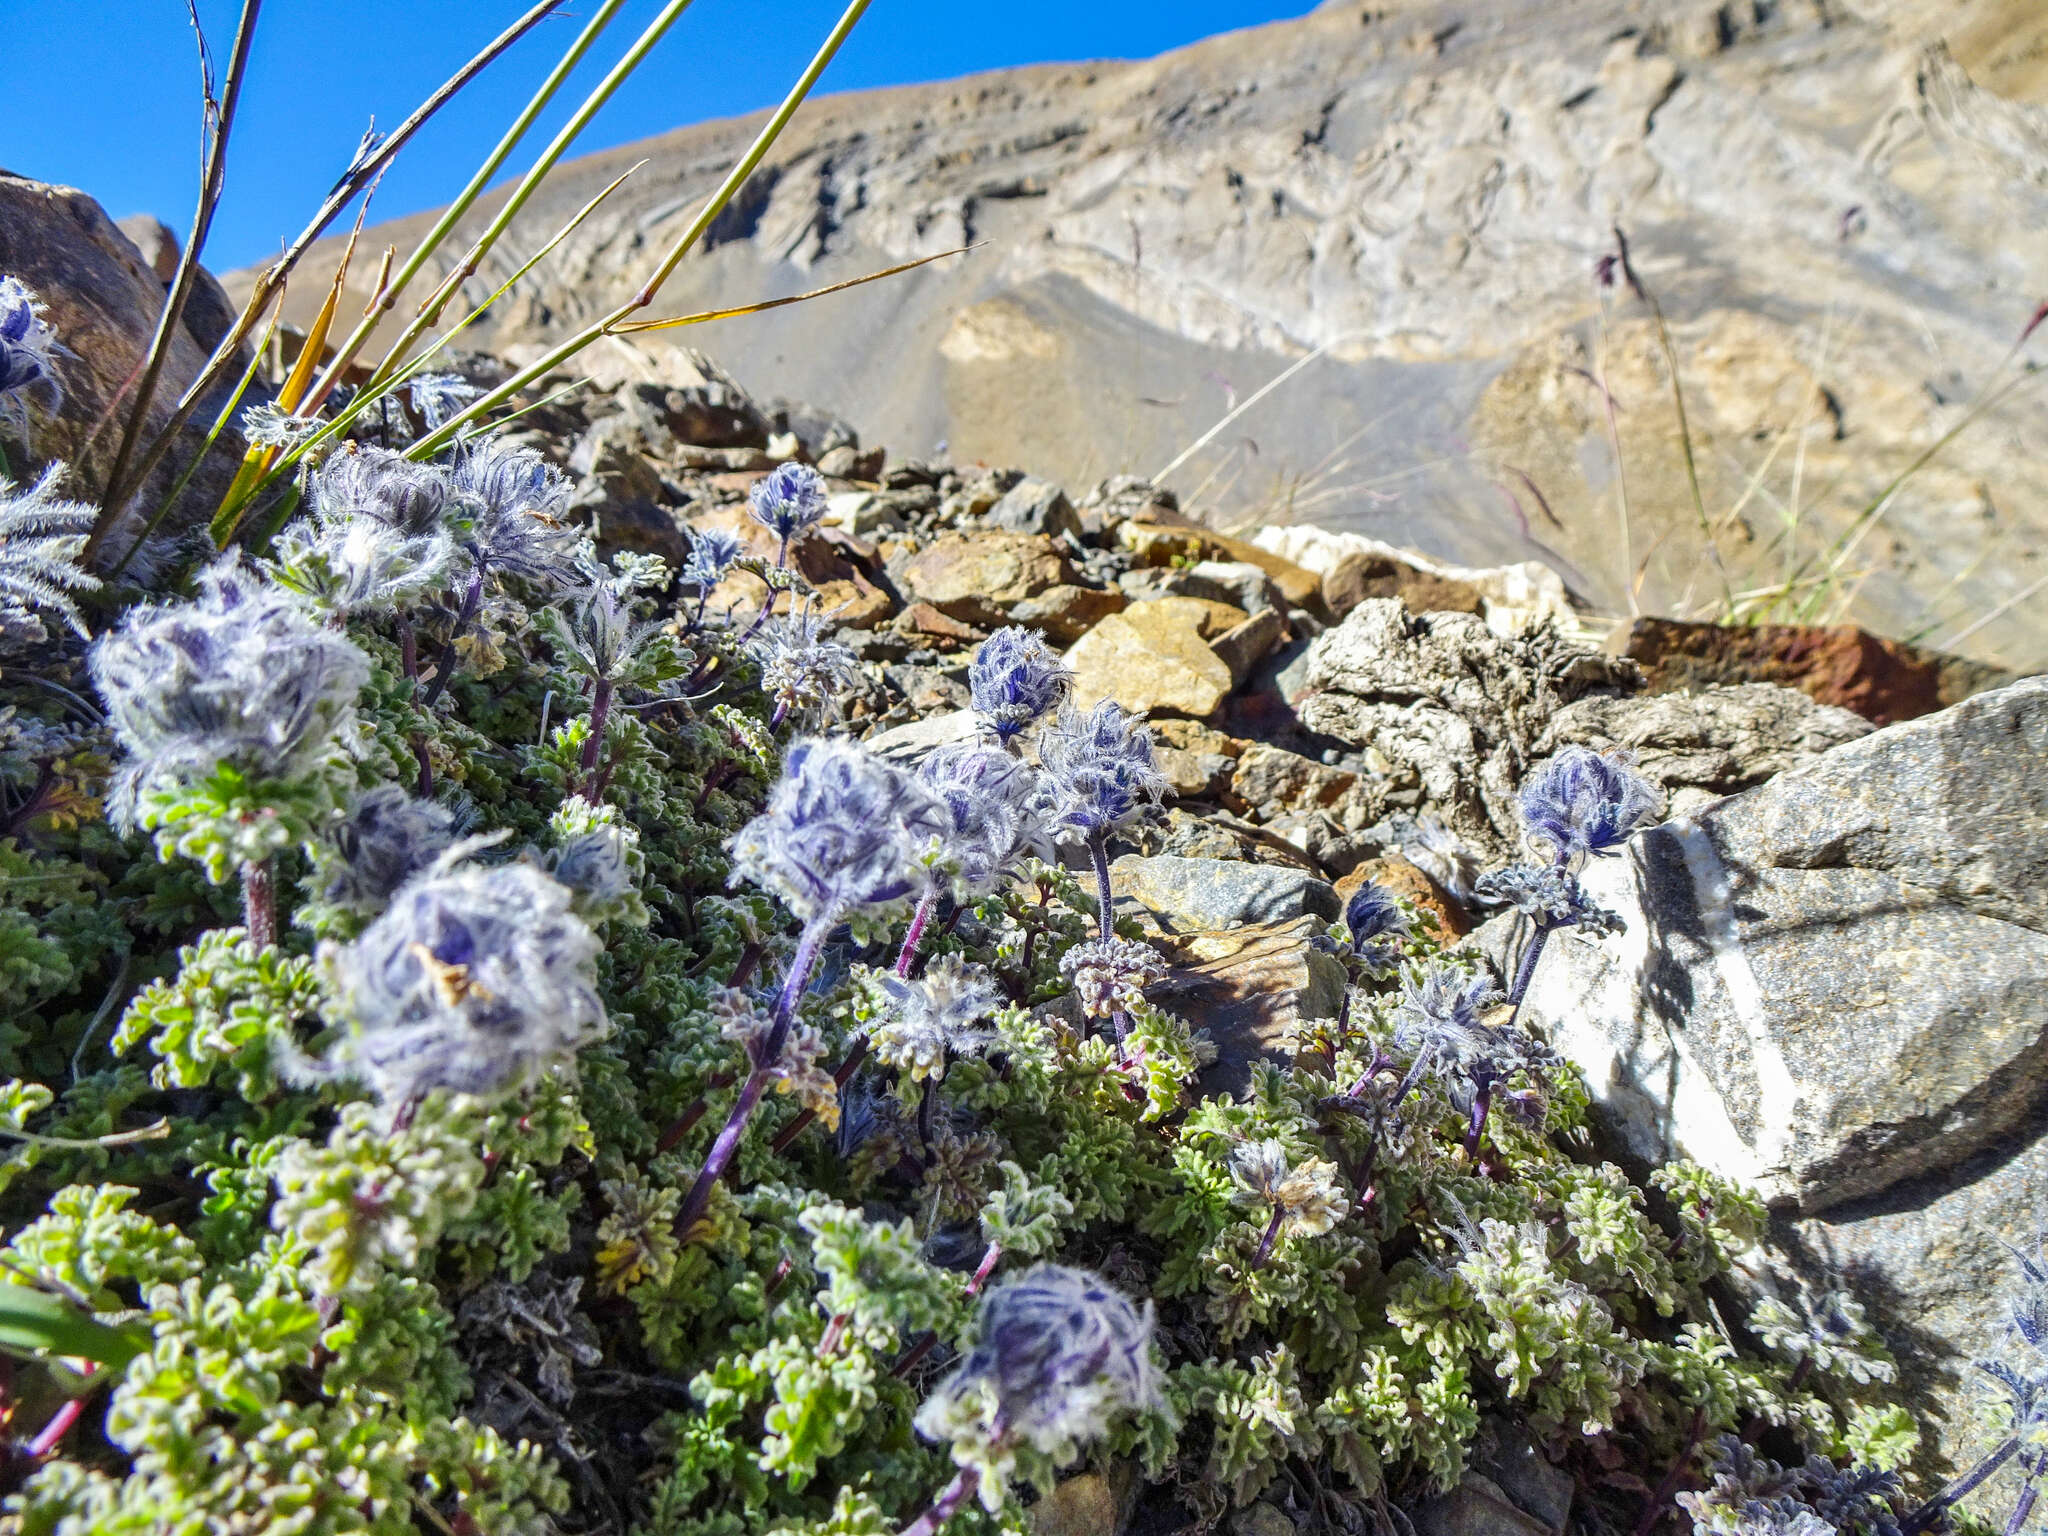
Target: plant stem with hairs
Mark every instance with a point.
(259, 902)
(956, 1493)
(907, 956)
(756, 1085)
(593, 748)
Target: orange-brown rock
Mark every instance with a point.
(1404, 879)
(978, 577)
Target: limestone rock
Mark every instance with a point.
(909, 745)
(1184, 895)
(1063, 614)
(1454, 708)
(1037, 506)
(1886, 903)
(1350, 566)
(978, 577)
(1274, 781)
(1151, 658)
(1249, 988)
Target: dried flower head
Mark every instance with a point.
(41, 537)
(384, 486)
(1753, 1496)
(1109, 976)
(1059, 1354)
(1376, 923)
(712, 553)
(387, 837)
(1441, 1019)
(842, 829)
(242, 675)
(936, 1017)
(1015, 679)
(28, 356)
(516, 509)
(1306, 1197)
(354, 563)
(475, 979)
(993, 815)
(788, 500)
(1099, 770)
(801, 671)
(1582, 802)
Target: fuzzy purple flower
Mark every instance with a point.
(788, 501)
(993, 815)
(41, 537)
(28, 353)
(1584, 803)
(242, 675)
(801, 671)
(474, 980)
(386, 487)
(1015, 679)
(712, 553)
(842, 829)
(517, 509)
(1099, 770)
(1109, 975)
(1377, 925)
(1059, 1353)
(387, 837)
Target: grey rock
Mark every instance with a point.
(1837, 982)
(1186, 895)
(1251, 988)
(1230, 581)
(1421, 189)
(909, 745)
(1454, 709)
(1033, 505)
(1477, 1507)
(1701, 745)
(102, 301)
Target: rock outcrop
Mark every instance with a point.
(1835, 987)
(1821, 194)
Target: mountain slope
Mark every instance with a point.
(1841, 226)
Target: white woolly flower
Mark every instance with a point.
(242, 675)
(1059, 1354)
(937, 1016)
(41, 538)
(475, 979)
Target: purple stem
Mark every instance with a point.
(946, 1505)
(1098, 852)
(1272, 1235)
(907, 956)
(1527, 969)
(46, 1438)
(751, 1091)
(2025, 1507)
(987, 1267)
(1655, 1504)
(444, 665)
(259, 903)
(600, 713)
(1927, 1514)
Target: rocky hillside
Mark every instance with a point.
(1822, 195)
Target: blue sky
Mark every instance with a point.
(103, 93)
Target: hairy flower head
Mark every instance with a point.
(241, 675)
(1583, 802)
(514, 517)
(842, 829)
(936, 1016)
(41, 537)
(1058, 1354)
(993, 815)
(382, 485)
(28, 356)
(1015, 679)
(1306, 1196)
(1376, 923)
(1549, 895)
(597, 856)
(439, 396)
(712, 553)
(355, 563)
(1110, 975)
(475, 979)
(387, 837)
(788, 500)
(1100, 771)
